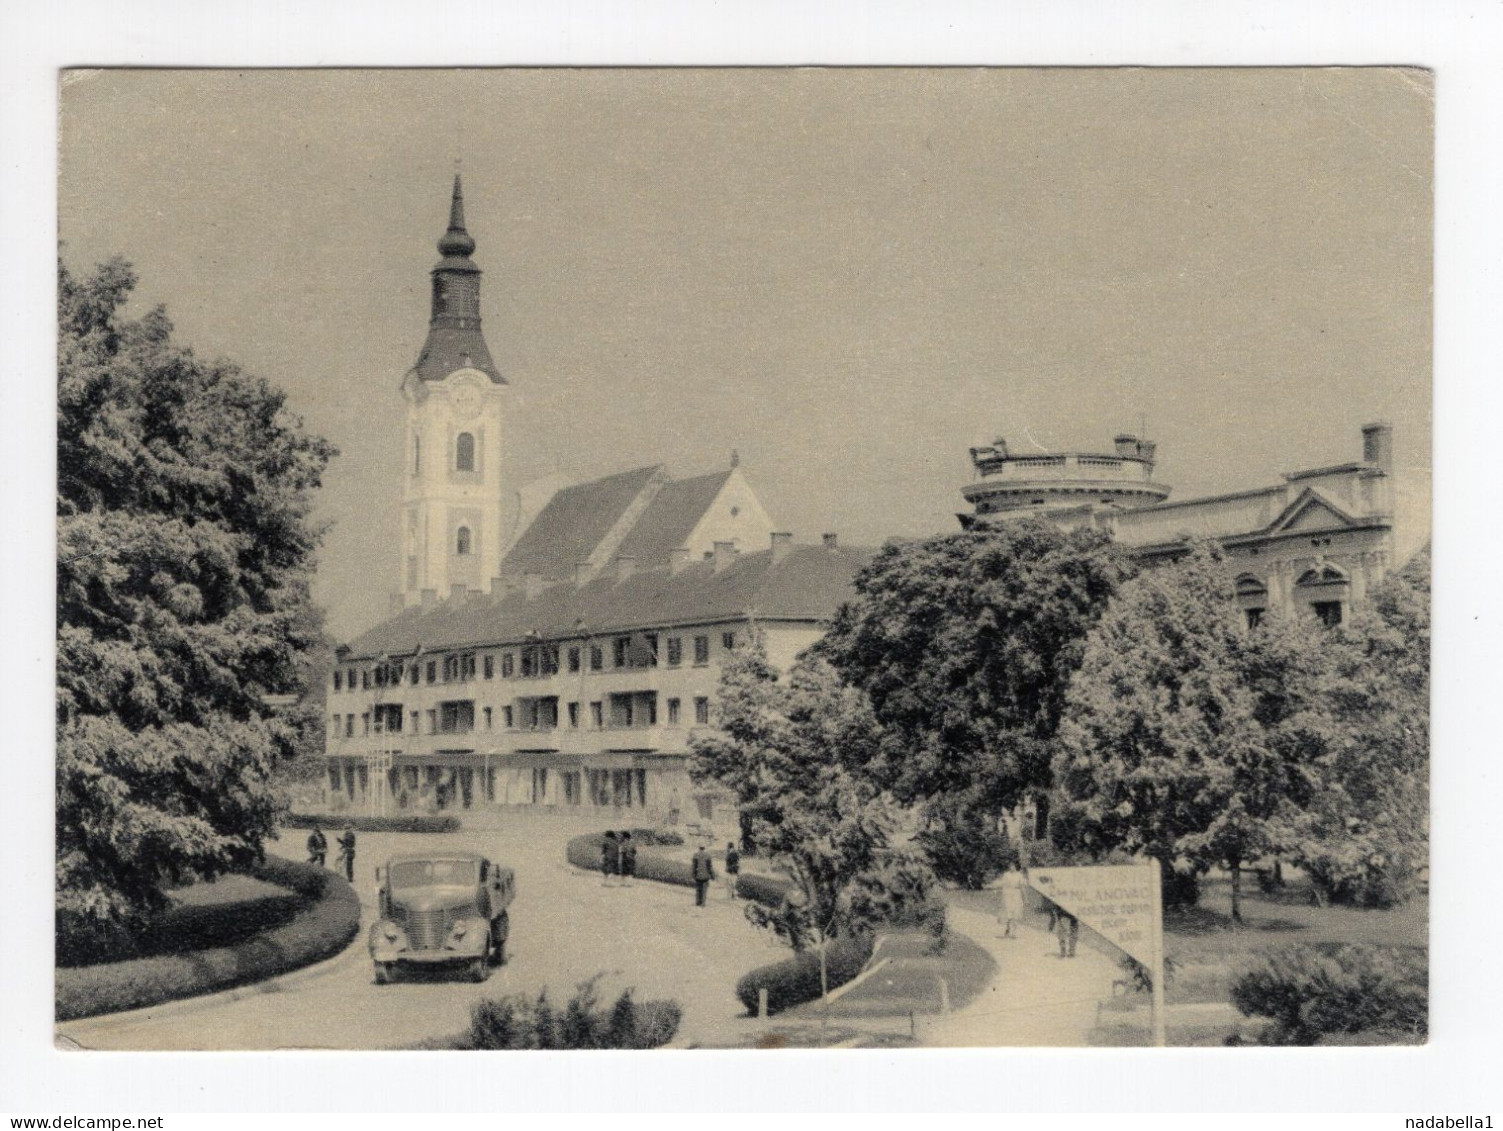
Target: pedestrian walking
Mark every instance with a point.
(628, 858)
(347, 853)
(1067, 927)
(318, 846)
(732, 869)
(610, 858)
(1012, 901)
(703, 871)
(673, 807)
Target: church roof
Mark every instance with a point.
(671, 517)
(575, 522)
(809, 584)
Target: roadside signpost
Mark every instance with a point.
(1122, 903)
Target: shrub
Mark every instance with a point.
(325, 925)
(963, 845)
(1312, 993)
(1360, 871)
(410, 823)
(795, 980)
(664, 837)
(520, 1022)
(766, 890)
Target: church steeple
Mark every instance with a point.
(454, 338)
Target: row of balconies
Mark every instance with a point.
(565, 740)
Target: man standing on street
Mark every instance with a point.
(347, 853)
(318, 846)
(703, 872)
(1068, 929)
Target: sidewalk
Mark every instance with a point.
(1037, 998)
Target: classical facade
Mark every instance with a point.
(1316, 542)
(569, 666)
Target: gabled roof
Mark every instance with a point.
(574, 523)
(809, 584)
(671, 517)
(1311, 502)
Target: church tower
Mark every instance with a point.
(451, 497)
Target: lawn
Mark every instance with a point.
(1206, 934)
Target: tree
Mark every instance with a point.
(965, 645)
(1162, 750)
(185, 549)
(779, 746)
(1364, 835)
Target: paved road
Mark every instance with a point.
(565, 927)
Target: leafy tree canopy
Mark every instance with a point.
(1163, 749)
(184, 553)
(779, 746)
(965, 645)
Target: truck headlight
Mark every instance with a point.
(391, 932)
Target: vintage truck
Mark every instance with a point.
(441, 908)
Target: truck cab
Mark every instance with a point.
(441, 909)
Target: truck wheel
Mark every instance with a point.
(478, 970)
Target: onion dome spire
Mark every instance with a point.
(454, 338)
(456, 243)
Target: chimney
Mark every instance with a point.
(781, 544)
(458, 592)
(626, 565)
(532, 583)
(429, 598)
(475, 594)
(583, 571)
(831, 542)
(1147, 448)
(1126, 444)
(678, 561)
(725, 554)
(1377, 446)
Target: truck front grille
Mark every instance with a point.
(428, 930)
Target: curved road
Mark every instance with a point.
(565, 927)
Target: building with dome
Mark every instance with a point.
(1317, 542)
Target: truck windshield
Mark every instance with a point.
(421, 873)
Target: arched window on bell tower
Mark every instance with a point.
(462, 542)
(464, 452)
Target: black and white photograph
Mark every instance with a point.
(743, 559)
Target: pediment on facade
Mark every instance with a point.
(1312, 510)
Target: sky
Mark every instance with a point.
(847, 276)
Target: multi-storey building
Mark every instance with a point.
(568, 665)
(570, 694)
(1317, 542)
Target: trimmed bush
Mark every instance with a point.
(766, 890)
(327, 921)
(795, 980)
(584, 852)
(1313, 993)
(520, 1022)
(413, 823)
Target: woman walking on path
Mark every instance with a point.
(1012, 901)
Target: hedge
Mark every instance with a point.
(795, 980)
(411, 823)
(1316, 992)
(584, 852)
(324, 926)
